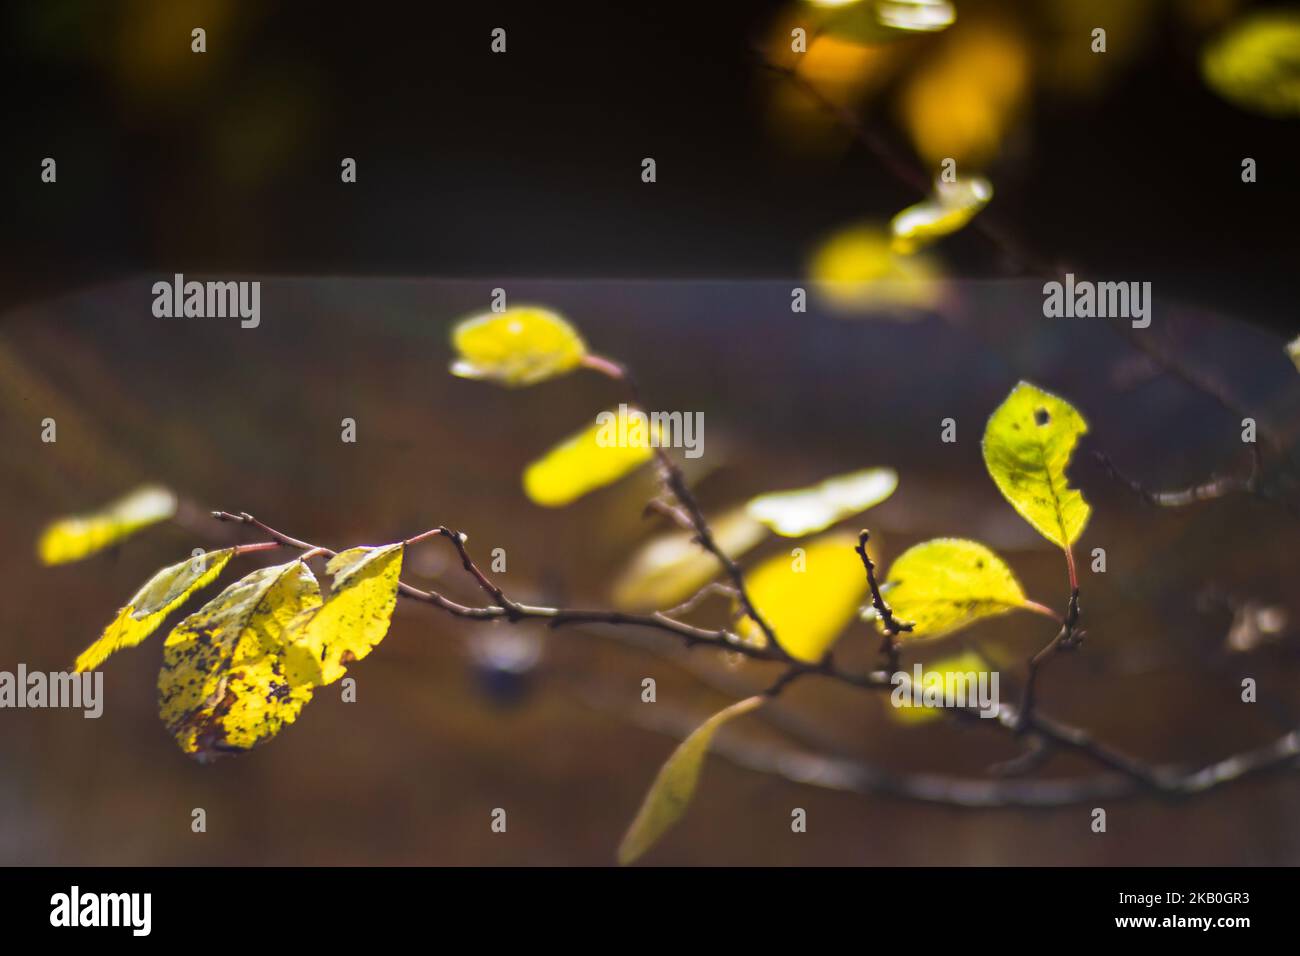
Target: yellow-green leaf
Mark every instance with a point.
(79, 536)
(1293, 350)
(943, 677)
(809, 510)
(592, 458)
(520, 346)
(674, 785)
(670, 568)
(223, 687)
(856, 269)
(160, 595)
(879, 21)
(1027, 446)
(355, 617)
(943, 585)
(949, 209)
(807, 596)
(1253, 63)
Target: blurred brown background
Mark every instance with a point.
(409, 774)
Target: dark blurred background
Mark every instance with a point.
(528, 163)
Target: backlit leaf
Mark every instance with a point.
(809, 510)
(521, 346)
(670, 568)
(1255, 63)
(966, 667)
(674, 785)
(160, 595)
(1027, 446)
(79, 536)
(949, 209)
(1293, 350)
(809, 608)
(857, 269)
(592, 458)
(943, 585)
(879, 21)
(223, 686)
(352, 620)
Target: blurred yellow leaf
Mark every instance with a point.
(856, 269)
(962, 100)
(807, 597)
(521, 346)
(1027, 445)
(79, 536)
(223, 687)
(1255, 63)
(879, 21)
(160, 595)
(942, 585)
(1293, 350)
(674, 785)
(964, 669)
(950, 207)
(590, 459)
(670, 568)
(355, 617)
(793, 514)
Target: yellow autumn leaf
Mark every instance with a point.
(670, 568)
(950, 208)
(326, 638)
(1253, 63)
(160, 595)
(951, 677)
(1027, 446)
(592, 458)
(223, 687)
(520, 346)
(879, 21)
(964, 98)
(941, 586)
(674, 785)
(857, 269)
(1293, 350)
(808, 596)
(79, 536)
(793, 514)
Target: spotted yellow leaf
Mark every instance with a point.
(793, 514)
(223, 686)
(353, 619)
(1027, 446)
(808, 596)
(670, 568)
(592, 458)
(160, 595)
(1253, 63)
(941, 586)
(956, 679)
(674, 785)
(949, 209)
(520, 346)
(79, 536)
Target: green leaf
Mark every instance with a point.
(521, 346)
(79, 536)
(943, 585)
(159, 596)
(793, 514)
(355, 618)
(1027, 446)
(674, 785)
(807, 596)
(223, 687)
